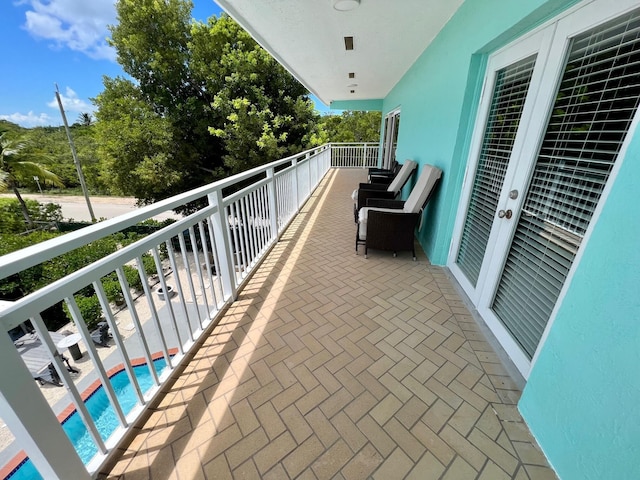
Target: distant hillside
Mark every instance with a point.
(50, 147)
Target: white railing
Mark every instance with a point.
(354, 155)
(202, 260)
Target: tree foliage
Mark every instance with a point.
(34, 278)
(12, 219)
(350, 126)
(85, 119)
(204, 101)
(50, 147)
(16, 166)
(136, 144)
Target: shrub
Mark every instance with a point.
(133, 279)
(89, 309)
(149, 264)
(112, 289)
(12, 220)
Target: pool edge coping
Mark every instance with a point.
(21, 457)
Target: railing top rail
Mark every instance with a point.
(353, 144)
(28, 257)
(16, 312)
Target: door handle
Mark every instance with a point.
(505, 214)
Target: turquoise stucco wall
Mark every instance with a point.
(582, 399)
(438, 96)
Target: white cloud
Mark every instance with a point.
(30, 119)
(80, 25)
(72, 103)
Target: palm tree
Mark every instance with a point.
(14, 168)
(85, 119)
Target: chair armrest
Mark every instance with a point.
(364, 194)
(372, 186)
(377, 171)
(381, 179)
(384, 203)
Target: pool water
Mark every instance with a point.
(102, 413)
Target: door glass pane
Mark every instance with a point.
(394, 139)
(385, 163)
(509, 93)
(391, 126)
(596, 102)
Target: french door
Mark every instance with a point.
(390, 137)
(554, 114)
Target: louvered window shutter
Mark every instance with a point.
(594, 107)
(509, 93)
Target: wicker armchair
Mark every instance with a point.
(374, 174)
(390, 224)
(381, 190)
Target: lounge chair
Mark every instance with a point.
(390, 224)
(101, 335)
(48, 375)
(390, 191)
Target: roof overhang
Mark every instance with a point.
(308, 38)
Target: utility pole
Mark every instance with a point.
(75, 156)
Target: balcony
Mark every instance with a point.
(287, 355)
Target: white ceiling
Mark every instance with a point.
(307, 37)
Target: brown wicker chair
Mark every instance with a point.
(381, 190)
(390, 224)
(375, 174)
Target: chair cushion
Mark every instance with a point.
(401, 178)
(362, 219)
(421, 190)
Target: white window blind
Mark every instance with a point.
(595, 104)
(509, 93)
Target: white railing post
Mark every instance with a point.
(309, 177)
(273, 200)
(314, 162)
(331, 155)
(31, 420)
(296, 184)
(364, 155)
(307, 163)
(223, 246)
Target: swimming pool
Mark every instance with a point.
(102, 413)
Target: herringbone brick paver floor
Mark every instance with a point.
(331, 365)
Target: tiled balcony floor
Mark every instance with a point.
(335, 366)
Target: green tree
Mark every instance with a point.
(12, 218)
(52, 146)
(15, 168)
(205, 101)
(135, 142)
(265, 113)
(350, 126)
(85, 119)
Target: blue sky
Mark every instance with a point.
(59, 41)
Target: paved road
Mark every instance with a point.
(75, 207)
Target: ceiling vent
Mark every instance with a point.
(348, 43)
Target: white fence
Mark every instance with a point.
(200, 261)
(354, 155)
